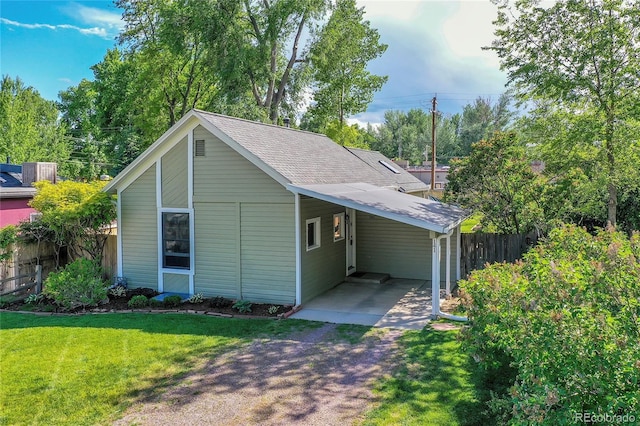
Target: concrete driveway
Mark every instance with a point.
(396, 303)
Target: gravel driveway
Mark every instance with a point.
(313, 377)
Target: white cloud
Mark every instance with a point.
(94, 31)
(101, 17)
(469, 29)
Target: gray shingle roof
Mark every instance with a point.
(300, 157)
(402, 178)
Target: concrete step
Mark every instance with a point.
(367, 278)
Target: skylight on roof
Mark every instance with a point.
(389, 166)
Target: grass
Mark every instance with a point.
(467, 225)
(70, 370)
(434, 385)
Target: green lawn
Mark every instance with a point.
(467, 225)
(433, 385)
(71, 370)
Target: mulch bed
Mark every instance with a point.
(215, 306)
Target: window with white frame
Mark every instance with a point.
(313, 233)
(176, 240)
(338, 227)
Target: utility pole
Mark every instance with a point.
(434, 102)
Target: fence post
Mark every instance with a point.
(38, 279)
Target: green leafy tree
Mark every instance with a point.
(497, 181)
(351, 136)
(403, 135)
(29, 126)
(78, 215)
(582, 56)
(173, 44)
(339, 58)
(481, 119)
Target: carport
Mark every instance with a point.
(439, 219)
(395, 303)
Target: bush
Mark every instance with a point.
(118, 291)
(155, 303)
(137, 302)
(243, 306)
(79, 284)
(33, 299)
(172, 301)
(220, 302)
(567, 319)
(196, 298)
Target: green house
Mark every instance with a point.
(244, 210)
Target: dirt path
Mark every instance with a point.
(311, 378)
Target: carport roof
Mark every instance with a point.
(421, 212)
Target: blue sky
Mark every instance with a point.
(434, 48)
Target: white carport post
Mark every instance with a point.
(448, 267)
(435, 277)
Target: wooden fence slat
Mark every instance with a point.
(479, 249)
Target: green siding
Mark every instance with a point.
(217, 249)
(268, 252)
(139, 231)
(175, 283)
(385, 246)
(325, 266)
(174, 176)
(223, 175)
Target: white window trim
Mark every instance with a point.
(161, 266)
(342, 227)
(316, 221)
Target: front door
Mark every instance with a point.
(350, 220)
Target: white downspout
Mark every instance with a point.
(298, 251)
(435, 282)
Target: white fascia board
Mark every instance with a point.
(253, 159)
(160, 147)
(368, 209)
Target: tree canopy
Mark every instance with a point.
(497, 181)
(584, 57)
(29, 127)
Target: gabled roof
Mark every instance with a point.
(404, 180)
(288, 155)
(310, 164)
(300, 157)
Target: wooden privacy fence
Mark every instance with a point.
(110, 257)
(22, 284)
(478, 249)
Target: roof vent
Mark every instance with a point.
(200, 148)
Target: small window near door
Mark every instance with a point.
(338, 227)
(313, 233)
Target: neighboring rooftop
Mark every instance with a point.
(16, 179)
(10, 175)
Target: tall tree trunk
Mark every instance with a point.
(611, 169)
